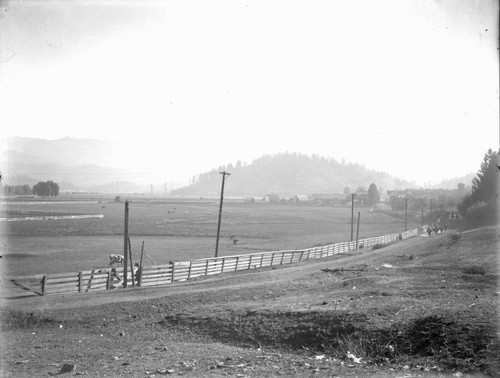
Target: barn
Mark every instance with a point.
(271, 198)
(300, 199)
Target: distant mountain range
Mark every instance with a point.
(91, 164)
(72, 163)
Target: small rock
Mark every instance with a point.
(67, 368)
(220, 364)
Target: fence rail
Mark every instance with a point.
(103, 279)
(49, 202)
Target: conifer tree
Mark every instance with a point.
(483, 198)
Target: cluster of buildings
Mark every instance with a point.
(318, 199)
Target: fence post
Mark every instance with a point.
(261, 259)
(189, 272)
(139, 272)
(173, 267)
(206, 268)
(44, 281)
(108, 283)
(80, 282)
(237, 262)
(223, 264)
(250, 262)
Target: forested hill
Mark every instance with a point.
(289, 174)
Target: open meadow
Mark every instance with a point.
(172, 230)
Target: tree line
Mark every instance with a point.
(481, 204)
(42, 189)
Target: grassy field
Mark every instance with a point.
(171, 230)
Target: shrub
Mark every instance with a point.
(455, 344)
(454, 237)
(377, 246)
(474, 270)
(482, 213)
(15, 319)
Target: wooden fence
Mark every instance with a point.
(50, 202)
(103, 279)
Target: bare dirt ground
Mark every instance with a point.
(421, 307)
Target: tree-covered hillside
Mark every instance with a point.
(288, 174)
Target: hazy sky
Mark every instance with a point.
(408, 87)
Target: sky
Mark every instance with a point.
(406, 87)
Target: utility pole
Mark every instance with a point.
(430, 211)
(357, 231)
(352, 215)
(406, 214)
(125, 246)
(224, 174)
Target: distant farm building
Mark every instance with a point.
(325, 199)
(299, 199)
(361, 199)
(271, 198)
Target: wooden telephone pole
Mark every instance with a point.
(430, 211)
(352, 215)
(125, 246)
(224, 174)
(357, 230)
(406, 214)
